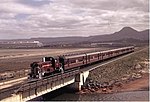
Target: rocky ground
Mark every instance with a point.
(132, 84)
(127, 74)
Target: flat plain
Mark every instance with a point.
(17, 59)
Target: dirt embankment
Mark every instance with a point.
(139, 84)
(120, 86)
(128, 74)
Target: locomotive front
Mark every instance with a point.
(48, 66)
(40, 69)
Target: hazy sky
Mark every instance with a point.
(53, 18)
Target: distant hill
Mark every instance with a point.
(126, 33)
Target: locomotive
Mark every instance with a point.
(48, 66)
(60, 64)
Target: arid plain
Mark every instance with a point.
(17, 59)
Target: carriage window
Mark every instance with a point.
(96, 56)
(66, 61)
(72, 61)
(91, 57)
(80, 59)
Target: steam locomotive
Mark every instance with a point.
(60, 64)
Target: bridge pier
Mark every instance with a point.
(79, 81)
(14, 98)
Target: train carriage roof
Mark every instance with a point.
(74, 56)
(92, 53)
(117, 49)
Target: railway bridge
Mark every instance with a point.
(74, 79)
(36, 88)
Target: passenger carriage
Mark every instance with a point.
(51, 65)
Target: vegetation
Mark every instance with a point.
(117, 69)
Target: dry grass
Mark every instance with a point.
(118, 69)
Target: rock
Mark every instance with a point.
(96, 88)
(90, 81)
(118, 84)
(133, 75)
(85, 90)
(138, 66)
(104, 89)
(131, 79)
(105, 85)
(88, 86)
(124, 78)
(137, 76)
(110, 87)
(93, 85)
(92, 90)
(111, 82)
(98, 85)
(142, 71)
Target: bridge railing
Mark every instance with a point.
(7, 92)
(34, 84)
(47, 80)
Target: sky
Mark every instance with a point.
(59, 18)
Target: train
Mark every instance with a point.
(60, 64)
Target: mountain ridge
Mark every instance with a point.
(124, 33)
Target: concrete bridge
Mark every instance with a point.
(31, 90)
(74, 79)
